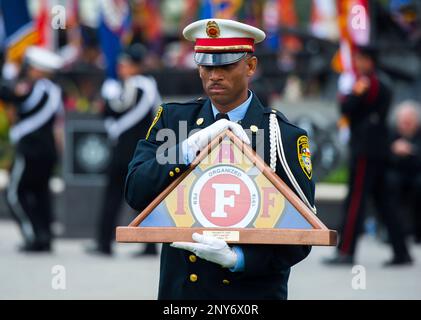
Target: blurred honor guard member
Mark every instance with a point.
(37, 101)
(208, 268)
(128, 114)
(366, 107)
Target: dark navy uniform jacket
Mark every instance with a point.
(36, 112)
(368, 114)
(267, 267)
(133, 118)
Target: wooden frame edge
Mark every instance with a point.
(320, 237)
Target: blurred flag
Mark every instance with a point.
(252, 12)
(71, 50)
(288, 19)
(221, 9)
(206, 10)
(354, 29)
(114, 25)
(280, 14)
(43, 26)
(324, 23)
(396, 5)
(48, 36)
(271, 24)
(227, 9)
(405, 13)
(19, 29)
(148, 17)
(358, 21)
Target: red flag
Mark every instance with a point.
(42, 25)
(288, 18)
(354, 29)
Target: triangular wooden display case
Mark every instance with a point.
(253, 204)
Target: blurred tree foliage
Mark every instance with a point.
(5, 147)
(4, 124)
(337, 176)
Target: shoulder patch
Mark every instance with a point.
(304, 155)
(155, 120)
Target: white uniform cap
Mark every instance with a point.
(222, 41)
(43, 59)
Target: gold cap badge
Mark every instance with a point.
(212, 29)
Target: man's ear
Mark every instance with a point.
(251, 66)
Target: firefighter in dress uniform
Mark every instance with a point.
(366, 108)
(209, 268)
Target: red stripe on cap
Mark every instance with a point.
(224, 44)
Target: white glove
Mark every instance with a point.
(211, 249)
(111, 89)
(192, 145)
(344, 135)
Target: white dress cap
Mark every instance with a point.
(43, 59)
(222, 41)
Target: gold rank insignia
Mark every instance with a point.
(304, 155)
(212, 29)
(155, 120)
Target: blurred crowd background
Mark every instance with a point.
(305, 64)
(299, 60)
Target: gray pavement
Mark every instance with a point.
(125, 277)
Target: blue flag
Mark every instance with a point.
(114, 22)
(19, 28)
(207, 10)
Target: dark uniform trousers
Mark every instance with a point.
(113, 199)
(29, 198)
(366, 181)
(367, 164)
(182, 274)
(121, 154)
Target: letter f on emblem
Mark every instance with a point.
(221, 201)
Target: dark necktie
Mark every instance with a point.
(220, 116)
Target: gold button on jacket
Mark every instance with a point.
(192, 258)
(193, 277)
(254, 128)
